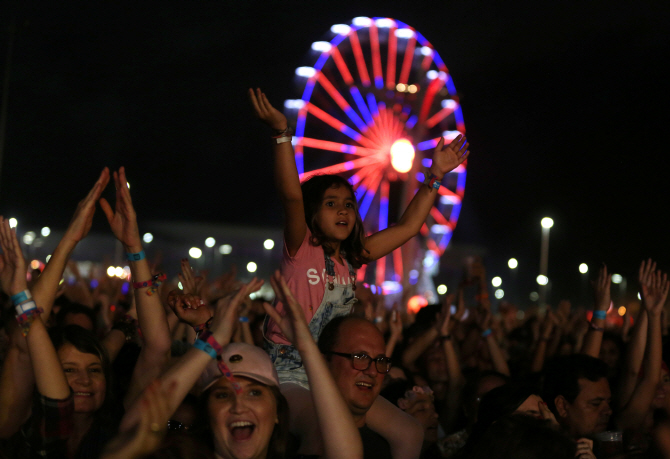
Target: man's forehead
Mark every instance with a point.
(360, 336)
(594, 389)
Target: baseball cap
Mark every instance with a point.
(242, 360)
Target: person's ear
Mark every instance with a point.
(561, 406)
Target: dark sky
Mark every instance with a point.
(565, 104)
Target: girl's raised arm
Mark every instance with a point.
(445, 159)
(150, 312)
(287, 179)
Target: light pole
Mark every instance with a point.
(546, 223)
(513, 264)
(584, 270)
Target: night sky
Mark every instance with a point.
(565, 105)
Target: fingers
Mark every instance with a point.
(272, 312)
(254, 102)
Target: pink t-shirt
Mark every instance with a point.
(305, 274)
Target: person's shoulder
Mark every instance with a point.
(306, 251)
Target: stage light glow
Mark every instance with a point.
(416, 303)
(148, 237)
(195, 252)
(542, 279)
(583, 268)
(617, 278)
(46, 231)
(269, 244)
(412, 88)
(225, 249)
(29, 237)
(499, 294)
(210, 241)
(35, 264)
(305, 72)
(547, 222)
(512, 263)
(321, 46)
(442, 289)
(402, 155)
(111, 271)
(13, 222)
(118, 271)
(496, 281)
(622, 310)
(252, 267)
(340, 29)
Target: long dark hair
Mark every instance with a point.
(313, 191)
(106, 419)
(279, 441)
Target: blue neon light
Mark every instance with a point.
(446, 236)
(125, 288)
(355, 118)
(458, 114)
(411, 121)
(360, 192)
(420, 177)
(350, 132)
(372, 103)
(360, 103)
(379, 82)
(365, 205)
(460, 185)
(383, 213)
(406, 110)
(321, 61)
(382, 105)
(354, 179)
(455, 212)
(450, 85)
(426, 144)
(426, 162)
(348, 149)
(438, 61)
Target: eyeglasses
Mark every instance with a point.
(363, 361)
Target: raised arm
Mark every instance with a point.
(541, 348)
(638, 341)
(634, 413)
(150, 312)
(287, 179)
(594, 337)
(339, 433)
(445, 159)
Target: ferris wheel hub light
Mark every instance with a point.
(402, 155)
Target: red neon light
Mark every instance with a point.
(376, 58)
(381, 270)
(341, 65)
(390, 62)
(337, 124)
(397, 262)
(360, 60)
(424, 230)
(339, 168)
(432, 89)
(439, 218)
(439, 116)
(407, 62)
(425, 64)
(330, 89)
(360, 274)
(447, 192)
(335, 146)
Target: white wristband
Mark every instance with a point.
(25, 307)
(284, 139)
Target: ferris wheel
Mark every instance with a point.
(374, 104)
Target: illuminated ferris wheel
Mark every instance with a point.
(373, 107)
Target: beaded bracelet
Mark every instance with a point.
(26, 319)
(152, 283)
(432, 182)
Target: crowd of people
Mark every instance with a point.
(326, 370)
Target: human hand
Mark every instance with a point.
(546, 413)
(446, 159)
(395, 324)
(655, 293)
(123, 220)
(484, 319)
(548, 324)
(585, 449)
(602, 289)
(146, 436)
(226, 315)
(13, 263)
(460, 306)
(192, 285)
(266, 112)
(444, 319)
(293, 324)
(190, 309)
(82, 219)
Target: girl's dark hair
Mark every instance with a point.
(313, 191)
(279, 440)
(106, 419)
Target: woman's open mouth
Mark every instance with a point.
(241, 430)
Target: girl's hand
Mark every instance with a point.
(266, 112)
(602, 288)
(293, 324)
(123, 220)
(14, 265)
(189, 308)
(395, 324)
(226, 315)
(192, 285)
(82, 220)
(546, 413)
(655, 293)
(446, 159)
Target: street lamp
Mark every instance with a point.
(546, 223)
(512, 263)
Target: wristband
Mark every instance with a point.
(595, 327)
(26, 319)
(432, 182)
(136, 256)
(152, 283)
(209, 339)
(486, 332)
(283, 133)
(243, 319)
(379, 319)
(25, 307)
(21, 297)
(600, 315)
(205, 347)
(283, 139)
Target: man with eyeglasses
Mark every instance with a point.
(354, 349)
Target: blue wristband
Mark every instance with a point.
(243, 319)
(21, 297)
(205, 347)
(136, 256)
(600, 315)
(486, 332)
